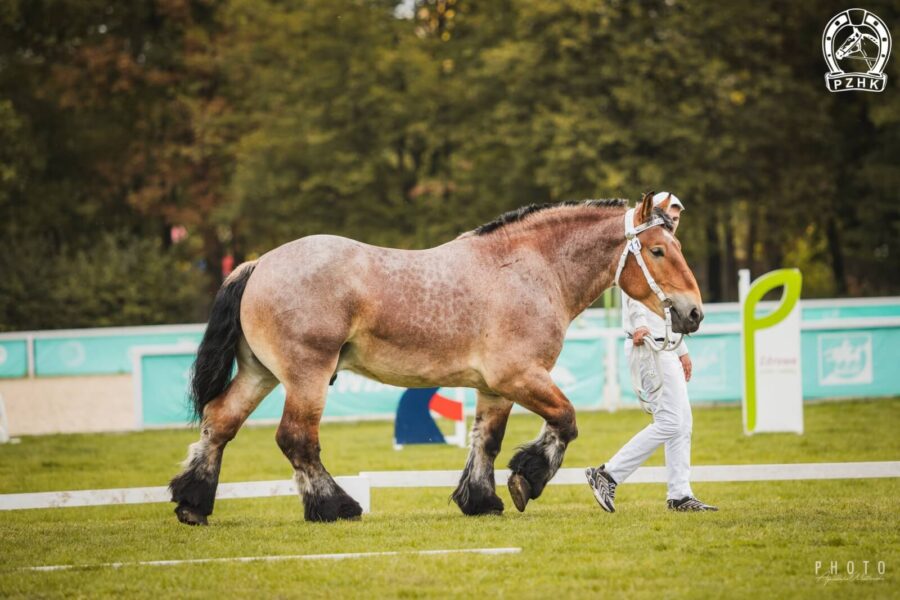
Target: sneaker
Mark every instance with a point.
(603, 486)
(689, 504)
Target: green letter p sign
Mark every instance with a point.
(773, 389)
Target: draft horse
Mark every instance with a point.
(488, 310)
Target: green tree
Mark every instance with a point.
(119, 280)
(254, 123)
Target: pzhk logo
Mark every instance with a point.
(856, 51)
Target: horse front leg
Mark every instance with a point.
(536, 462)
(475, 494)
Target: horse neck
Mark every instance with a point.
(582, 248)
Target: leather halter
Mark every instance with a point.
(633, 246)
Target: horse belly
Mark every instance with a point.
(387, 362)
(419, 325)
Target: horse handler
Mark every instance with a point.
(669, 404)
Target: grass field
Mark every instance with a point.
(763, 543)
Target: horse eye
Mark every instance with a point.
(658, 252)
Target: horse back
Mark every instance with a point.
(437, 312)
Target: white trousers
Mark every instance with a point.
(672, 424)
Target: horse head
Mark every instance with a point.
(849, 45)
(664, 268)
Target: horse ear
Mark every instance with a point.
(646, 208)
(664, 205)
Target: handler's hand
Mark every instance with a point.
(638, 337)
(686, 365)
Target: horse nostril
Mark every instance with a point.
(696, 315)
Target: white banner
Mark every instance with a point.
(773, 388)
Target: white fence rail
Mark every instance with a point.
(360, 486)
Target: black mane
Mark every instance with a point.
(518, 214)
(667, 220)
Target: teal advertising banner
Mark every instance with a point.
(848, 350)
(163, 388)
(164, 384)
(97, 355)
(716, 373)
(13, 358)
(107, 351)
(810, 310)
(850, 363)
(836, 363)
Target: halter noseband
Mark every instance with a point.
(633, 246)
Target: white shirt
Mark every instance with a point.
(635, 315)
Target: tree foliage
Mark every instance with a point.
(118, 280)
(251, 123)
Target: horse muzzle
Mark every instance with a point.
(686, 317)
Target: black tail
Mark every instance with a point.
(215, 356)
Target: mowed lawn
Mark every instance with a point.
(764, 542)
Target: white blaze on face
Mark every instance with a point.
(671, 239)
(669, 235)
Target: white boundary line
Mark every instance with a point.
(246, 559)
(359, 487)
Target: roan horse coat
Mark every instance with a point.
(488, 310)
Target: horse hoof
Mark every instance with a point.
(350, 511)
(520, 490)
(479, 505)
(487, 512)
(493, 506)
(189, 517)
(319, 517)
(328, 509)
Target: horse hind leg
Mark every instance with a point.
(475, 494)
(194, 489)
(298, 437)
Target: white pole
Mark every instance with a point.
(743, 289)
(461, 428)
(29, 353)
(743, 284)
(612, 391)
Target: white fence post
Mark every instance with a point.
(612, 391)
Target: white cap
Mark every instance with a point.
(673, 199)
